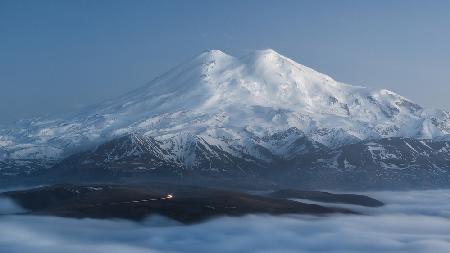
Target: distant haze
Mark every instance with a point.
(57, 57)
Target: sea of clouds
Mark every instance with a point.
(411, 222)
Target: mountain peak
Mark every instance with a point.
(267, 52)
(223, 97)
(212, 54)
(264, 54)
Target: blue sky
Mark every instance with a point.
(58, 56)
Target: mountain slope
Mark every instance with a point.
(221, 112)
(389, 163)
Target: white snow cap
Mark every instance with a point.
(225, 98)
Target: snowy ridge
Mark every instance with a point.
(401, 163)
(237, 105)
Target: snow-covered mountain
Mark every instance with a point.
(259, 108)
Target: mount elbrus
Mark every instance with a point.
(258, 118)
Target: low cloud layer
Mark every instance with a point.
(411, 222)
(9, 207)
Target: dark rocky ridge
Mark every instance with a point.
(186, 204)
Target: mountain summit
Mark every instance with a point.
(253, 108)
(221, 97)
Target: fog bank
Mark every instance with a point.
(411, 222)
